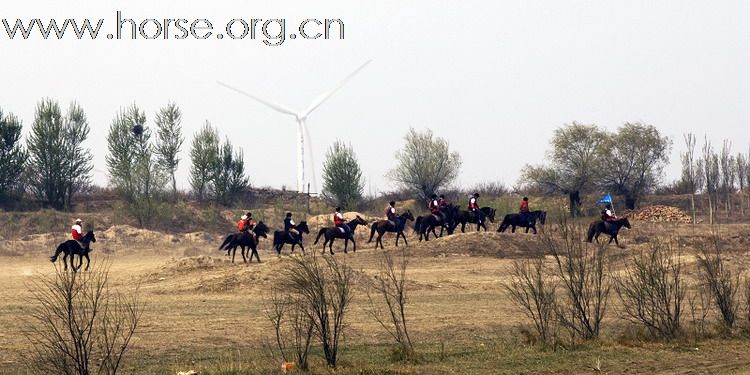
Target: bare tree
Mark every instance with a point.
(584, 280)
(290, 319)
(710, 166)
(689, 172)
(533, 289)
(741, 170)
(652, 290)
(390, 285)
(78, 324)
(727, 165)
(719, 280)
(324, 288)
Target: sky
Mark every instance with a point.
(494, 78)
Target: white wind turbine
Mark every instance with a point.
(302, 131)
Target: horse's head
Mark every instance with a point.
(302, 227)
(261, 229)
(491, 215)
(408, 215)
(625, 222)
(542, 217)
(358, 220)
(89, 237)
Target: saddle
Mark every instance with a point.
(437, 217)
(342, 230)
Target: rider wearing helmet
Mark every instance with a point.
(76, 231)
(290, 227)
(338, 221)
(474, 207)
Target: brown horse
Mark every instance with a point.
(609, 227)
(333, 233)
(397, 225)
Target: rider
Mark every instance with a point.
(474, 207)
(442, 202)
(524, 209)
(246, 224)
(434, 207)
(608, 214)
(76, 231)
(390, 213)
(338, 221)
(290, 227)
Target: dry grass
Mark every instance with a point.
(205, 313)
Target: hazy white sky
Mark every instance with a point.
(493, 77)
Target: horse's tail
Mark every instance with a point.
(60, 249)
(372, 231)
(276, 238)
(227, 241)
(321, 232)
(592, 231)
(418, 223)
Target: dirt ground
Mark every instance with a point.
(201, 308)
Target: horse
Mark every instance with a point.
(397, 226)
(72, 248)
(609, 227)
(464, 217)
(243, 240)
(330, 234)
(424, 225)
(281, 237)
(518, 220)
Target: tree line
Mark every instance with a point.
(53, 165)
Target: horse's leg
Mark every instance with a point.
(346, 244)
(463, 227)
(513, 228)
(330, 246)
(88, 261)
(301, 246)
(406, 243)
(354, 244)
(534, 228)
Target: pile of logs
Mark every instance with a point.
(660, 213)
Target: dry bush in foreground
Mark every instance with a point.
(652, 290)
(390, 284)
(533, 290)
(290, 320)
(719, 280)
(78, 324)
(323, 287)
(584, 280)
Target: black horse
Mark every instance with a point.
(72, 248)
(527, 221)
(281, 237)
(424, 225)
(245, 241)
(464, 217)
(330, 234)
(609, 227)
(397, 225)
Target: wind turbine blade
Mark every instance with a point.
(326, 95)
(273, 106)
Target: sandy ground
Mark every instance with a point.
(198, 301)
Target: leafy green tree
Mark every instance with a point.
(342, 177)
(425, 164)
(169, 140)
(12, 155)
(573, 167)
(59, 166)
(229, 178)
(204, 156)
(132, 166)
(633, 161)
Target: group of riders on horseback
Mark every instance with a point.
(442, 215)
